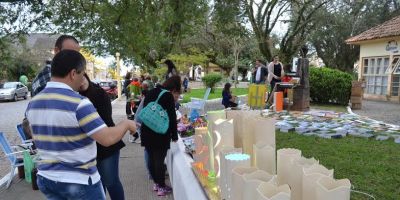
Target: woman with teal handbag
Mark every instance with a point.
(156, 139)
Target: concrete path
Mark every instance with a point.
(382, 111)
(133, 173)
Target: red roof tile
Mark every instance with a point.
(389, 28)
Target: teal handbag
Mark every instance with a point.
(155, 117)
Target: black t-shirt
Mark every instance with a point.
(277, 71)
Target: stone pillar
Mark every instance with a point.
(301, 93)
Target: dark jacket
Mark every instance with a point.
(226, 98)
(151, 139)
(263, 77)
(102, 103)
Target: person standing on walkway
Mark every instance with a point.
(107, 157)
(260, 73)
(41, 79)
(127, 81)
(157, 144)
(65, 126)
(275, 69)
(171, 69)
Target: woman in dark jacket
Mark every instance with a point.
(127, 81)
(107, 157)
(227, 99)
(157, 144)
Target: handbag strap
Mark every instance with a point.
(161, 93)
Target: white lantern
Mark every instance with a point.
(222, 137)
(310, 177)
(238, 180)
(285, 158)
(265, 157)
(221, 173)
(268, 191)
(331, 189)
(296, 175)
(232, 161)
(252, 181)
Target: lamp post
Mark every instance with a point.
(118, 77)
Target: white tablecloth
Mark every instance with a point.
(183, 180)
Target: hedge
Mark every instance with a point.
(329, 86)
(211, 80)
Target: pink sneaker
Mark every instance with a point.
(155, 187)
(163, 191)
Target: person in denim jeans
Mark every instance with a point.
(107, 157)
(65, 128)
(59, 190)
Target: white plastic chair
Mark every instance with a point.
(11, 155)
(199, 104)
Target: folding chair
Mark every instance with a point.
(199, 104)
(11, 155)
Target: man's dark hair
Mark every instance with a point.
(60, 40)
(173, 83)
(65, 61)
(259, 60)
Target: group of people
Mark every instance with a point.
(77, 141)
(272, 74)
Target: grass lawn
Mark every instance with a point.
(333, 107)
(199, 93)
(372, 166)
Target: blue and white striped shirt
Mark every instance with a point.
(62, 122)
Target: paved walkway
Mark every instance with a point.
(133, 173)
(382, 111)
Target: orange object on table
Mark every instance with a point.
(278, 101)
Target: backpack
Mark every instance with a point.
(154, 116)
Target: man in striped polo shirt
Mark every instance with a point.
(65, 127)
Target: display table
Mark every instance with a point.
(183, 181)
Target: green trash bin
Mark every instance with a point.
(28, 166)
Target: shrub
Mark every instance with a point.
(211, 80)
(330, 86)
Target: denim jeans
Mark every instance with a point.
(109, 172)
(54, 190)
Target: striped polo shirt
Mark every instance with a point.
(62, 122)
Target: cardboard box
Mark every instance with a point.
(356, 106)
(354, 99)
(356, 91)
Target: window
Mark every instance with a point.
(375, 76)
(395, 84)
(394, 63)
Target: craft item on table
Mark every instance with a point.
(238, 117)
(221, 173)
(265, 157)
(278, 101)
(310, 177)
(256, 96)
(296, 175)
(331, 189)
(285, 158)
(194, 114)
(222, 136)
(201, 153)
(268, 191)
(249, 131)
(231, 161)
(251, 182)
(238, 180)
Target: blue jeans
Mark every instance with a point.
(69, 191)
(109, 172)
